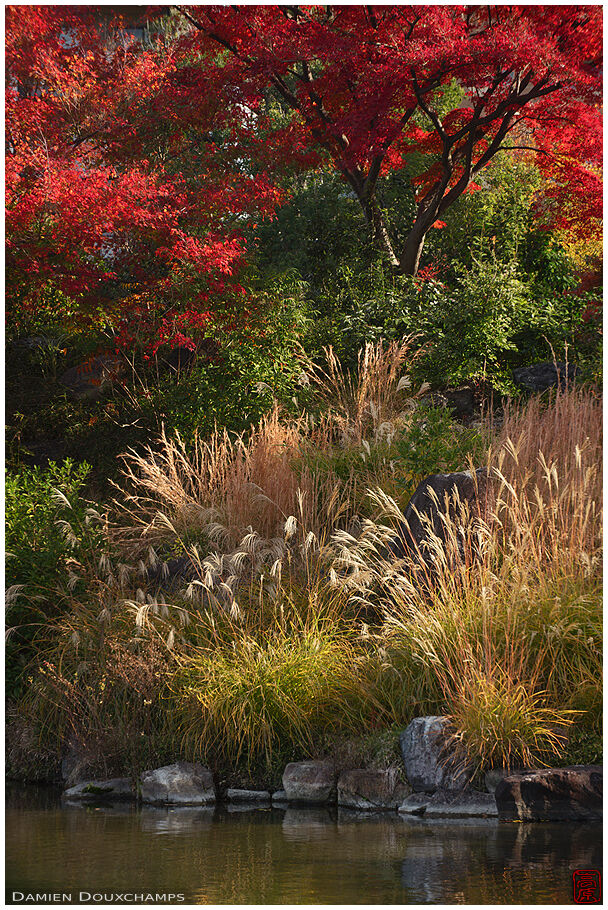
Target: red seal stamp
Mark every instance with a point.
(587, 886)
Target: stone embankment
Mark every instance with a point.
(433, 782)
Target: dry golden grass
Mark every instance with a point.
(224, 485)
(547, 463)
(363, 403)
(502, 621)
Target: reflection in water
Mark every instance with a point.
(493, 862)
(182, 820)
(264, 855)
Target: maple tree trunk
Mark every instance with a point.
(380, 234)
(410, 257)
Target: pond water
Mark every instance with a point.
(292, 856)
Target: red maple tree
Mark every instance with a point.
(142, 161)
(123, 171)
(364, 81)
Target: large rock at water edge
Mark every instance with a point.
(552, 794)
(312, 782)
(370, 789)
(451, 804)
(247, 796)
(493, 777)
(430, 764)
(543, 376)
(434, 497)
(184, 783)
(116, 788)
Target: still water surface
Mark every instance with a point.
(293, 856)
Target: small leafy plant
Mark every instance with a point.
(433, 442)
(36, 547)
(38, 550)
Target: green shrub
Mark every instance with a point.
(36, 547)
(38, 551)
(434, 443)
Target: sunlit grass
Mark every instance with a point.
(294, 623)
(257, 697)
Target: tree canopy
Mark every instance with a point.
(143, 155)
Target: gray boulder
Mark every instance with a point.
(415, 804)
(430, 763)
(184, 783)
(247, 796)
(542, 376)
(115, 788)
(460, 401)
(369, 789)
(451, 804)
(552, 794)
(312, 782)
(437, 496)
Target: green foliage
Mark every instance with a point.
(471, 326)
(588, 337)
(321, 233)
(434, 443)
(256, 367)
(38, 551)
(362, 305)
(496, 220)
(258, 362)
(585, 747)
(315, 232)
(498, 298)
(52, 315)
(36, 547)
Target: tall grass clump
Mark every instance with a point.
(247, 658)
(499, 624)
(239, 481)
(215, 489)
(261, 699)
(366, 400)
